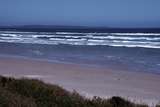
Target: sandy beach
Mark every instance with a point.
(89, 81)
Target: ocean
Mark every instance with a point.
(137, 52)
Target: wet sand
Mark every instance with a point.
(89, 81)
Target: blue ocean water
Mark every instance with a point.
(138, 52)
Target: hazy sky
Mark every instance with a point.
(111, 13)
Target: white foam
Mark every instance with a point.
(12, 35)
(140, 34)
(126, 38)
(144, 46)
(118, 39)
(64, 33)
(36, 36)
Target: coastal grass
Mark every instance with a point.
(35, 93)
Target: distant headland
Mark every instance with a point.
(63, 28)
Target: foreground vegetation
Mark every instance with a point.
(35, 93)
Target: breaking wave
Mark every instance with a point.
(145, 40)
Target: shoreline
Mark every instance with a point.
(71, 63)
(87, 80)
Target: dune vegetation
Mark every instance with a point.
(35, 93)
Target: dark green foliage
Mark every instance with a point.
(119, 102)
(8, 99)
(158, 105)
(35, 93)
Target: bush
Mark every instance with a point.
(34, 93)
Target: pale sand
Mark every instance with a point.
(89, 81)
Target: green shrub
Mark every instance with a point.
(35, 93)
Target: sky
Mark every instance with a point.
(102, 13)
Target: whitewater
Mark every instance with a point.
(143, 40)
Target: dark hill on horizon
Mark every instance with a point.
(57, 28)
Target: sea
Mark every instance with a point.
(134, 52)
